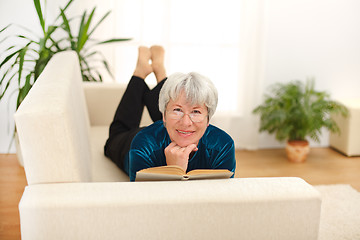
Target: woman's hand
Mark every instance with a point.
(176, 155)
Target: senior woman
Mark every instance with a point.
(181, 107)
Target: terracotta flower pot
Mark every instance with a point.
(297, 151)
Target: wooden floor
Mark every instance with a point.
(12, 184)
(324, 166)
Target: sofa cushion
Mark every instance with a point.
(103, 169)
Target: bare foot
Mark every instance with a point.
(157, 58)
(143, 67)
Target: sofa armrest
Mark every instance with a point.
(53, 125)
(102, 100)
(254, 208)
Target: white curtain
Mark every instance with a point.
(219, 39)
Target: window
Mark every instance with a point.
(219, 39)
(201, 36)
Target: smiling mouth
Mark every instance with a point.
(185, 132)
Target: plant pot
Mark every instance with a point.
(297, 151)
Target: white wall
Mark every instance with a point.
(11, 12)
(302, 38)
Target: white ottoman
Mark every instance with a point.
(348, 141)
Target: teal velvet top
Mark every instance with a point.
(216, 150)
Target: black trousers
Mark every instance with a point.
(126, 122)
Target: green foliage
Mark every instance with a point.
(294, 111)
(26, 62)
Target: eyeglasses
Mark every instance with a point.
(195, 116)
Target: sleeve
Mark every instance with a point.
(147, 149)
(225, 158)
(138, 159)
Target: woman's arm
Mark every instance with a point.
(138, 160)
(225, 158)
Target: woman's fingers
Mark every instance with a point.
(189, 149)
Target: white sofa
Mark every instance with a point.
(74, 192)
(348, 141)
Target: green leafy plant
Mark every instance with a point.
(294, 111)
(24, 63)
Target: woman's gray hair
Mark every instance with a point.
(198, 89)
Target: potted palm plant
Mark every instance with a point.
(24, 63)
(295, 111)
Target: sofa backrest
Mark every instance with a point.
(102, 100)
(53, 125)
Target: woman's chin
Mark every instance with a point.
(185, 143)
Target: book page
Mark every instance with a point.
(144, 176)
(171, 169)
(208, 171)
(209, 174)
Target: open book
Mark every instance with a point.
(174, 172)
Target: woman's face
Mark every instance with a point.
(181, 129)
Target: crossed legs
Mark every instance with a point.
(127, 117)
(155, 54)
